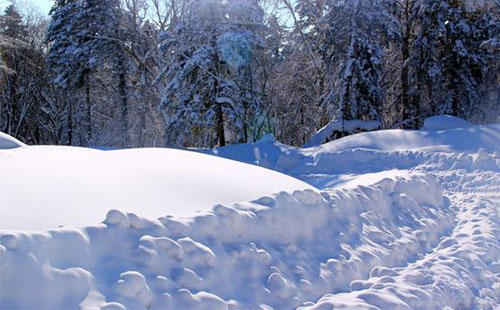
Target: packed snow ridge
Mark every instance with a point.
(388, 224)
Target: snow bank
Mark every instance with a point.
(461, 272)
(275, 155)
(336, 163)
(444, 122)
(44, 187)
(324, 134)
(8, 142)
(292, 247)
(440, 133)
(459, 139)
(266, 152)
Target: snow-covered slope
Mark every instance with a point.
(406, 227)
(456, 139)
(346, 126)
(44, 187)
(337, 162)
(440, 133)
(8, 142)
(444, 122)
(281, 251)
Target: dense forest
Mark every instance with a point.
(203, 73)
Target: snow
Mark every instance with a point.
(325, 133)
(76, 186)
(444, 122)
(457, 139)
(8, 142)
(403, 139)
(401, 220)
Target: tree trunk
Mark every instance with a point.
(89, 111)
(455, 106)
(14, 117)
(406, 106)
(220, 125)
(70, 122)
(122, 89)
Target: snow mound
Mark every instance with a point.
(269, 253)
(76, 186)
(8, 142)
(444, 122)
(266, 152)
(336, 162)
(325, 133)
(468, 139)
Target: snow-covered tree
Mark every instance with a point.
(353, 56)
(295, 93)
(12, 25)
(12, 48)
(402, 104)
(301, 75)
(24, 88)
(232, 71)
(84, 35)
(206, 86)
(141, 47)
(453, 62)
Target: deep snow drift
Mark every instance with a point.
(397, 224)
(44, 187)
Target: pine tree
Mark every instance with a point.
(13, 32)
(239, 47)
(353, 57)
(22, 79)
(406, 107)
(207, 88)
(85, 35)
(69, 57)
(11, 24)
(454, 65)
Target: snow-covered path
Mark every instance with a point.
(462, 272)
(414, 228)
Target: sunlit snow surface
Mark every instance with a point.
(44, 187)
(402, 220)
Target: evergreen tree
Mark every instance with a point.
(85, 35)
(12, 31)
(11, 24)
(22, 79)
(353, 56)
(454, 64)
(207, 88)
(405, 109)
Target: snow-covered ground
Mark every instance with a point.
(44, 187)
(395, 220)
